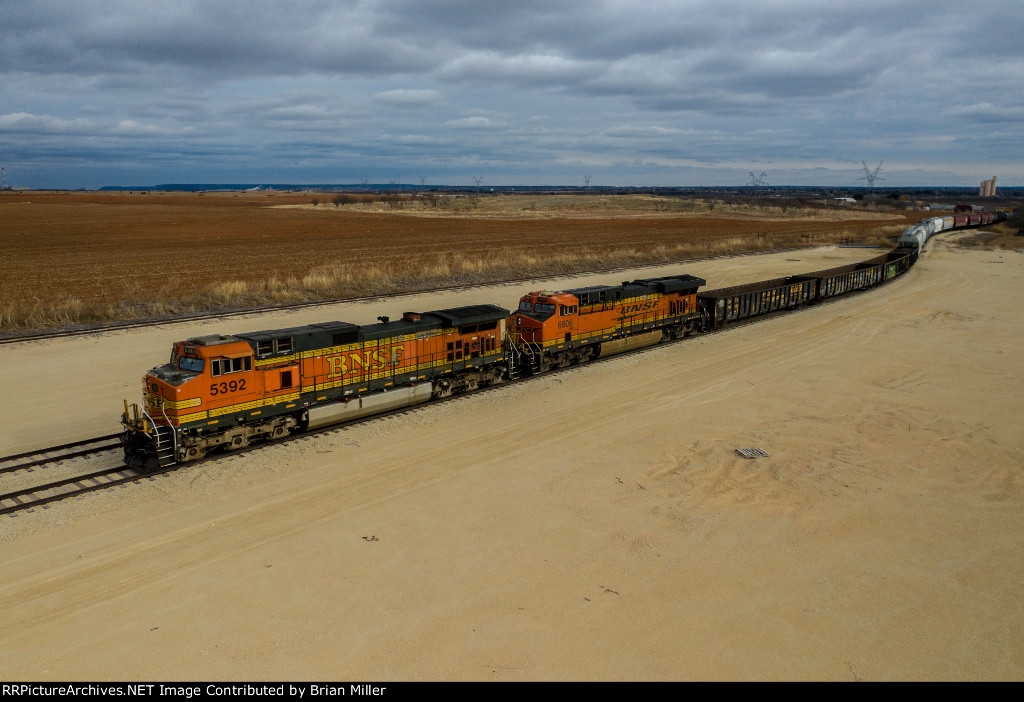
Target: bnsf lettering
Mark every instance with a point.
(640, 307)
(369, 361)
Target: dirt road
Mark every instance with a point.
(597, 525)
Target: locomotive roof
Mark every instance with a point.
(669, 283)
(316, 336)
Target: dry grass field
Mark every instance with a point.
(91, 257)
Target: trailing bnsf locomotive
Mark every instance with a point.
(225, 392)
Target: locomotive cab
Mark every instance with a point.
(543, 318)
(199, 370)
(178, 396)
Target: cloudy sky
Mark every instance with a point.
(522, 92)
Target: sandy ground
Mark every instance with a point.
(597, 525)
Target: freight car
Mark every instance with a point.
(719, 307)
(919, 234)
(224, 392)
(725, 305)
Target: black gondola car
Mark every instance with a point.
(857, 276)
(725, 305)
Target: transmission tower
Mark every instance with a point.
(758, 181)
(5, 186)
(871, 176)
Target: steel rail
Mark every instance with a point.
(37, 457)
(35, 496)
(282, 307)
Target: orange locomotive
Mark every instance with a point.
(556, 329)
(227, 391)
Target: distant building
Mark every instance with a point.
(988, 188)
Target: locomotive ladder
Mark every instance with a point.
(514, 360)
(518, 357)
(165, 441)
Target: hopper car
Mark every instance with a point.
(919, 234)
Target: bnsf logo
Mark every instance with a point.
(371, 360)
(640, 307)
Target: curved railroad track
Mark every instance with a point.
(282, 307)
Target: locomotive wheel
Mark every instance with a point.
(194, 453)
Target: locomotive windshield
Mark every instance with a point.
(190, 364)
(537, 311)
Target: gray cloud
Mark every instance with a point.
(663, 92)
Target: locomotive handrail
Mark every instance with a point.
(149, 418)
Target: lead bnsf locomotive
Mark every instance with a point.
(224, 392)
(220, 392)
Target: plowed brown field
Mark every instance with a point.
(87, 249)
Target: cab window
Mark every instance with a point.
(186, 363)
(221, 366)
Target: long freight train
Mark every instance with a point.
(224, 392)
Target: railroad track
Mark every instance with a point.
(58, 334)
(56, 454)
(40, 495)
(48, 460)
